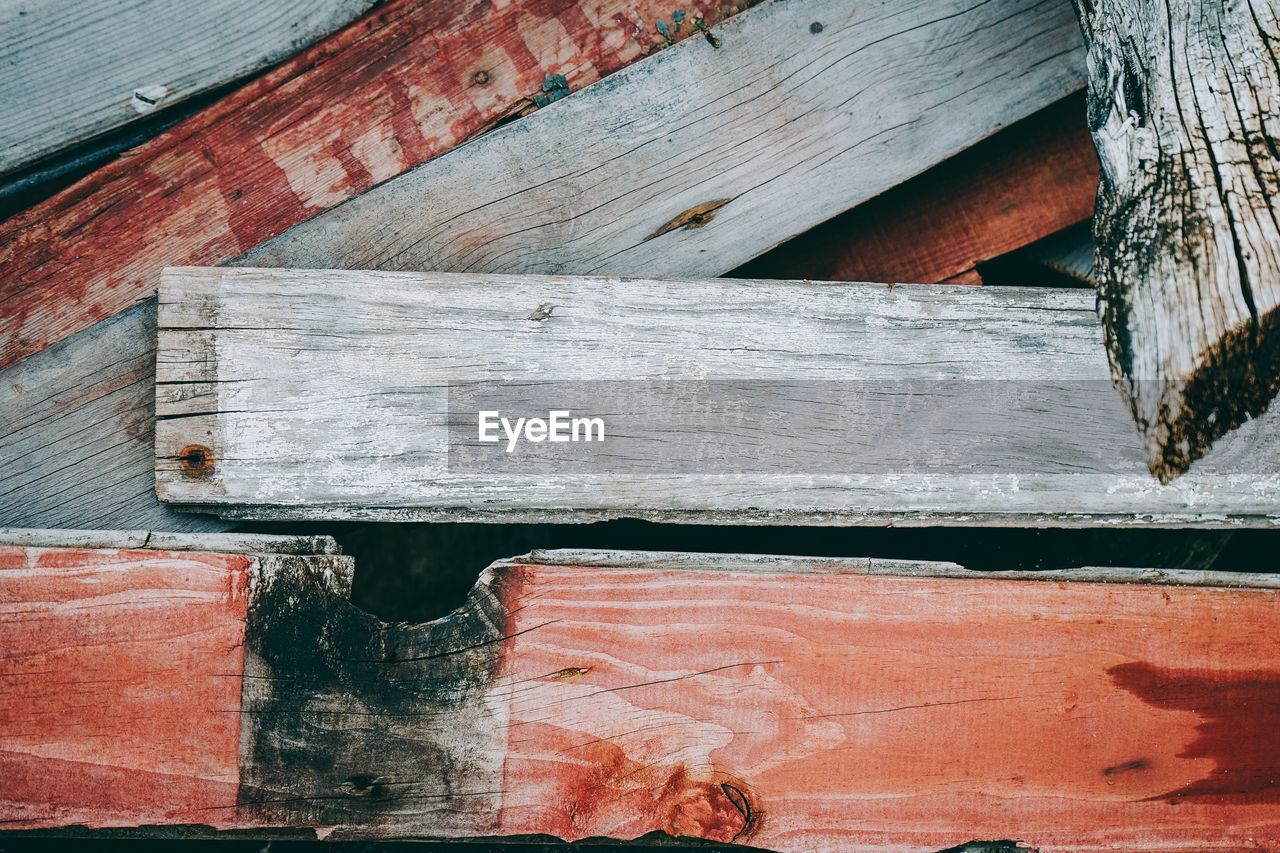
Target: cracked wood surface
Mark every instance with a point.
(1184, 105)
(74, 69)
(362, 106)
(786, 703)
(835, 404)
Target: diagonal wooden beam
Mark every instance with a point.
(407, 83)
(345, 394)
(785, 703)
(1184, 105)
(72, 70)
(700, 158)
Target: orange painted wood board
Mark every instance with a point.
(785, 703)
(1026, 183)
(405, 83)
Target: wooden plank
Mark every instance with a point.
(303, 394)
(1026, 183)
(72, 70)
(364, 105)
(786, 703)
(1183, 109)
(698, 159)
(122, 675)
(77, 433)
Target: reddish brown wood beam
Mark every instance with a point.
(785, 703)
(397, 88)
(1026, 182)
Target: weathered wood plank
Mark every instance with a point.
(698, 159)
(332, 394)
(1025, 183)
(786, 703)
(366, 104)
(77, 433)
(71, 69)
(1184, 105)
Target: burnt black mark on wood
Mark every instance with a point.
(352, 721)
(694, 217)
(1134, 766)
(1240, 715)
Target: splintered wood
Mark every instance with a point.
(789, 704)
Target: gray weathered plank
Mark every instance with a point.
(301, 394)
(804, 110)
(76, 433)
(73, 69)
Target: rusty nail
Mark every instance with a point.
(197, 460)
(481, 78)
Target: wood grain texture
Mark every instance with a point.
(697, 159)
(330, 395)
(358, 108)
(1025, 183)
(790, 704)
(72, 70)
(121, 679)
(77, 432)
(1183, 108)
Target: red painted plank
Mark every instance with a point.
(120, 685)
(836, 712)
(402, 85)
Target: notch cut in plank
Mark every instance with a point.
(72, 70)
(77, 433)
(335, 394)
(786, 703)
(1025, 183)
(374, 100)
(1184, 105)
(783, 126)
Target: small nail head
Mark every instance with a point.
(815, 27)
(481, 77)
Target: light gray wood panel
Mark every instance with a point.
(327, 395)
(76, 433)
(72, 69)
(805, 110)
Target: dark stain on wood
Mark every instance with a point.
(1240, 714)
(350, 721)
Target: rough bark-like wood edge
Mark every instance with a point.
(1188, 214)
